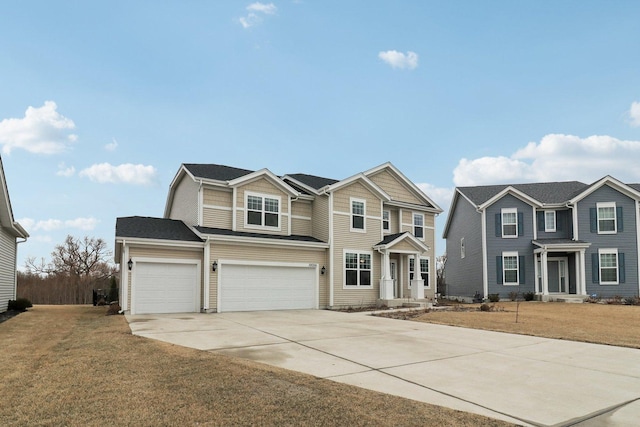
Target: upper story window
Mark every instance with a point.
(418, 225)
(357, 267)
(606, 217)
(358, 209)
(263, 211)
(385, 220)
(549, 221)
(509, 222)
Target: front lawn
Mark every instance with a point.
(72, 365)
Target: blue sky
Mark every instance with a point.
(102, 101)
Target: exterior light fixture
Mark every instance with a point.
(214, 266)
(322, 270)
(130, 264)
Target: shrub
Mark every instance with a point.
(513, 295)
(494, 297)
(616, 300)
(485, 307)
(529, 296)
(19, 304)
(632, 300)
(114, 308)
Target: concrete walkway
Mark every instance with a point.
(521, 379)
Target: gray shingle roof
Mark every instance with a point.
(216, 172)
(635, 186)
(312, 181)
(390, 238)
(225, 232)
(154, 228)
(545, 192)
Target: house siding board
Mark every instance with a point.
(394, 188)
(564, 225)
(522, 244)
(302, 209)
(217, 197)
(185, 202)
(266, 187)
(463, 276)
(624, 241)
(320, 215)
(217, 218)
(249, 253)
(7, 268)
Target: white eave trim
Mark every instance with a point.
(301, 184)
(260, 173)
(613, 183)
(413, 206)
(406, 236)
(514, 192)
(265, 241)
(160, 242)
(359, 177)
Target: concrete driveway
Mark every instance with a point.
(522, 379)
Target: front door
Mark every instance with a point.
(393, 267)
(557, 270)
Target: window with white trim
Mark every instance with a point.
(550, 221)
(357, 267)
(463, 251)
(424, 270)
(509, 222)
(262, 211)
(606, 217)
(386, 215)
(358, 210)
(418, 225)
(510, 268)
(608, 266)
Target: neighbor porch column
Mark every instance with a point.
(536, 273)
(545, 273)
(583, 279)
(417, 285)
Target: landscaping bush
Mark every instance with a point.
(632, 300)
(485, 307)
(19, 304)
(513, 295)
(529, 296)
(494, 297)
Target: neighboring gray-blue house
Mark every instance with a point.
(554, 239)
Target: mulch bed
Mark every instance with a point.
(8, 315)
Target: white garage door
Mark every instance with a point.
(165, 288)
(260, 287)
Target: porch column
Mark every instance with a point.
(545, 273)
(536, 273)
(583, 279)
(417, 285)
(386, 284)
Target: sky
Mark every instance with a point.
(101, 102)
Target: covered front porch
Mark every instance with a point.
(560, 268)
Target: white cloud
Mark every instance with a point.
(400, 60)
(556, 157)
(256, 11)
(126, 173)
(112, 145)
(442, 196)
(63, 170)
(51, 224)
(634, 114)
(42, 130)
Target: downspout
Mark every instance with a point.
(200, 204)
(207, 275)
(331, 271)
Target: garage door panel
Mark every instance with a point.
(259, 287)
(166, 287)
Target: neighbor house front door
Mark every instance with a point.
(557, 269)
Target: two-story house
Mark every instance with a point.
(554, 239)
(236, 240)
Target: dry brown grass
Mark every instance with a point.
(595, 323)
(72, 365)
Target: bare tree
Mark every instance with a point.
(440, 262)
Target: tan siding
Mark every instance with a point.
(320, 223)
(393, 187)
(404, 246)
(262, 186)
(301, 208)
(342, 197)
(216, 218)
(185, 202)
(393, 221)
(268, 253)
(301, 227)
(217, 197)
(7, 268)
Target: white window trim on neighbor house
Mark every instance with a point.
(263, 211)
(424, 273)
(463, 251)
(358, 268)
(607, 252)
(503, 213)
(550, 221)
(506, 255)
(608, 206)
(418, 225)
(353, 215)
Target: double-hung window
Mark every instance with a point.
(509, 222)
(510, 268)
(418, 225)
(357, 267)
(385, 220)
(606, 217)
(263, 211)
(608, 266)
(550, 221)
(358, 210)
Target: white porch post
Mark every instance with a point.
(386, 283)
(583, 280)
(536, 273)
(417, 285)
(545, 273)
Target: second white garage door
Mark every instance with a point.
(267, 287)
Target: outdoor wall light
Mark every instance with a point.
(322, 270)
(214, 266)
(130, 264)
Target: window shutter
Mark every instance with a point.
(498, 225)
(593, 216)
(521, 272)
(619, 218)
(540, 216)
(621, 275)
(520, 224)
(499, 269)
(595, 268)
